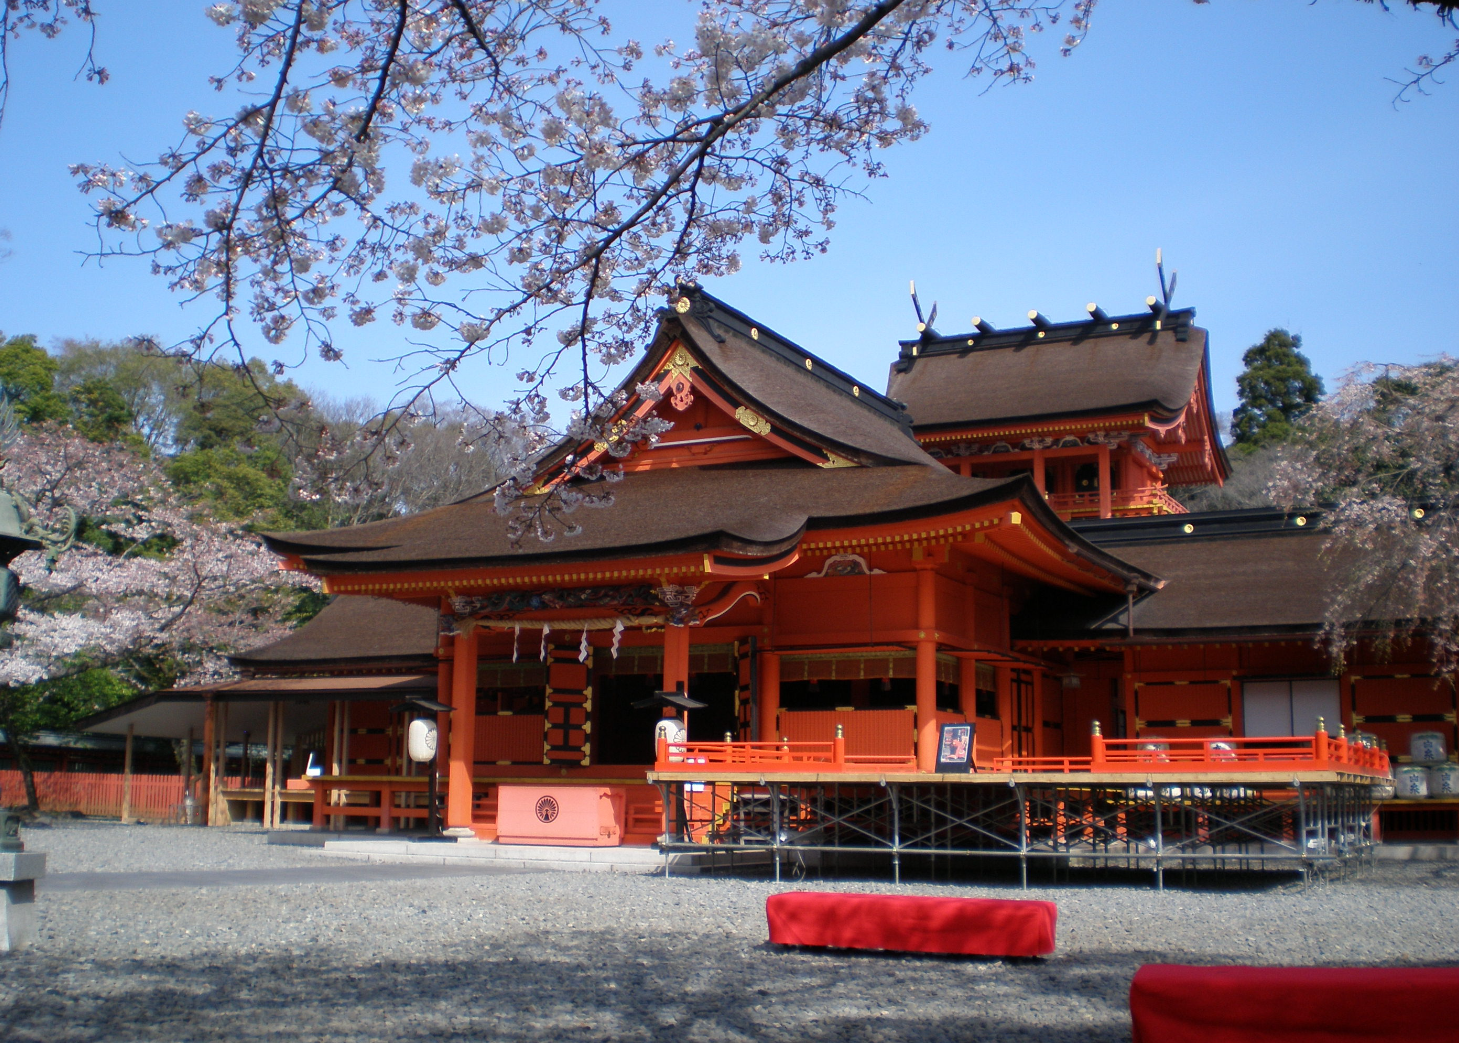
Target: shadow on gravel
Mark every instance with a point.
(345, 873)
(622, 991)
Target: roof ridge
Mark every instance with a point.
(986, 337)
(705, 307)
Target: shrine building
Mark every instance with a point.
(836, 574)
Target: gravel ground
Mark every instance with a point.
(568, 956)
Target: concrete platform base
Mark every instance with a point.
(465, 852)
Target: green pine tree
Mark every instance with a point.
(28, 380)
(1277, 387)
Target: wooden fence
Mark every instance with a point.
(155, 798)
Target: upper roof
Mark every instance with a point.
(350, 631)
(835, 455)
(737, 363)
(1110, 364)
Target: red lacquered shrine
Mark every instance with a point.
(836, 575)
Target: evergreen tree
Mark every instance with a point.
(1276, 388)
(28, 380)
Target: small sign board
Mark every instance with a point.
(955, 748)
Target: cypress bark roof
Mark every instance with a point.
(756, 510)
(1235, 573)
(350, 630)
(846, 457)
(1074, 369)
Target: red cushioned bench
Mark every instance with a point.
(912, 923)
(1177, 1004)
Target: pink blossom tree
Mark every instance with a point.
(1382, 452)
(515, 181)
(148, 576)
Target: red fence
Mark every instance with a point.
(1235, 755)
(155, 798)
(786, 756)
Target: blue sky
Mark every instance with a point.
(1254, 140)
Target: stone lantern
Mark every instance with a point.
(19, 870)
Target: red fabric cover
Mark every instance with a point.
(912, 923)
(1178, 1004)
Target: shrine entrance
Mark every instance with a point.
(624, 735)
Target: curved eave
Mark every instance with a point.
(321, 564)
(1152, 408)
(1057, 555)
(1218, 451)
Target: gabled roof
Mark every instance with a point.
(836, 456)
(816, 410)
(350, 631)
(1110, 365)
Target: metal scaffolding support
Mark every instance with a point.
(1153, 826)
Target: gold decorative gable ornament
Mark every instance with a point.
(752, 420)
(832, 460)
(680, 383)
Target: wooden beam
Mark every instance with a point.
(127, 776)
(1105, 509)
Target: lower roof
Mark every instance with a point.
(757, 509)
(176, 713)
(1227, 573)
(351, 632)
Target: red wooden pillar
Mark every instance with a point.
(463, 730)
(1007, 711)
(769, 696)
(1038, 471)
(926, 665)
(676, 657)
(1105, 500)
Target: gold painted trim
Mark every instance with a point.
(752, 420)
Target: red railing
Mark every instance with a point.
(784, 756)
(1154, 499)
(355, 796)
(1300, 752)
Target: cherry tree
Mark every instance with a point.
(1383, 452)
(147, 576)
(515, 181)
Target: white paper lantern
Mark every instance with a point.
(420, 739)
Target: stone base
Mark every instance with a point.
(19, 871)
(17, 914)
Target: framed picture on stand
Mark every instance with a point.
(955, 748)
